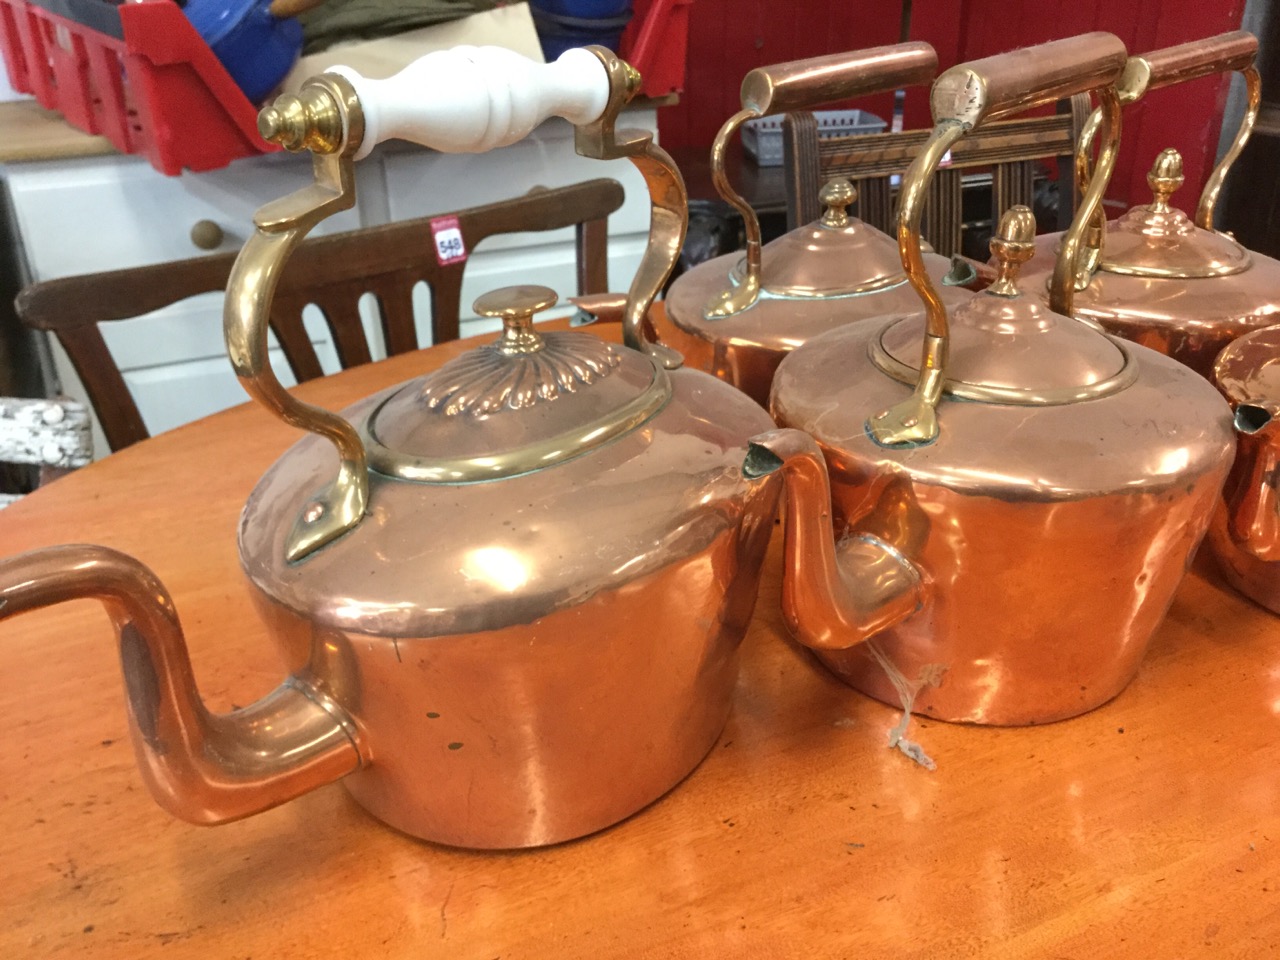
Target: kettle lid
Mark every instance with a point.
(836, 255)
(526, 401)
(1010, 348)
(1158, 240)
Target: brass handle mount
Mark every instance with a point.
(965, 97)
(797, 85)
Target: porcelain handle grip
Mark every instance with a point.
(473, 99)
(1188, 61)
(1008, 83)
(808, 83)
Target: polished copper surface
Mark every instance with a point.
(738, 315)
(1157, 240)
(745, 348)
(1007, 348)
(438, 559)
(1245, 536)
(518, 606)
(1145, 830)
(1154, 276)
(962, 98)
(784, 87)
(201, 766)
(1018, 512)
(1189, 320)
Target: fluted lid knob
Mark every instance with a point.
(836, 195)
(515, 307)
(1013, 245)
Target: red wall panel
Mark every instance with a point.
(729, 37)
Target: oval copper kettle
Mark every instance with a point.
(1154, 275)
(738, 315)
(1245, 534)
(512, 603)
(989, 508)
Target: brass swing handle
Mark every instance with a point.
(464, 100)
(803, 84)
(1233, 51)
(965, 97)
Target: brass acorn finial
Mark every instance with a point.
(1164, 179)
(1013, 245)
(836, 195)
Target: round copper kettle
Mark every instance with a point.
(1154, 275)
(738, 315)
(512, 602)
(994, 503)
(1245, 534)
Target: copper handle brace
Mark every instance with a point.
(964, 97)
(797, 85)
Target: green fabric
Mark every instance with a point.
(337, 20)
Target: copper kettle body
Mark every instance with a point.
(1245, 535)
(1155, 275)
(738, 315)
(512, 613)
(1013, 496)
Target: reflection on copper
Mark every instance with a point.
(1245, 536)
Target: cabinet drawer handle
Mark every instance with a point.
(206, 235)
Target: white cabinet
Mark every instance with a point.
(105, 213)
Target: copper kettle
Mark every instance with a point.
(738, 315)
(512, 602)
(1245, 534)
(993, 503)
(1155, 275)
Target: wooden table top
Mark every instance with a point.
(1146, 829)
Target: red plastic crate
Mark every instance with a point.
(155, 89)
(656, 42)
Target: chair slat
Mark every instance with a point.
(331, 271)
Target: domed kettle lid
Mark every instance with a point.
(524, 402)
(1010, 348)
(1159, 240)
(836, 255)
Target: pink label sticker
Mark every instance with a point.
(448, 237)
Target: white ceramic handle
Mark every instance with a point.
(472, 99)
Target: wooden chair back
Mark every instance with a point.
(331, 272)
(1011, 149)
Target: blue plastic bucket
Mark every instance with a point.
(563, 24)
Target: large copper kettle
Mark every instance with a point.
(1245, 534)
(1155, 275)
(1013, 495)
(512, 602)
(738, 315)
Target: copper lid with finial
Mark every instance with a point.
(1007, 347)
(1159, 240)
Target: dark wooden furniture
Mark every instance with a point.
(1010, 149)
(331, 272)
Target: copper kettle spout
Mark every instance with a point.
(1253, 506)
(834, 595)
(203, 767)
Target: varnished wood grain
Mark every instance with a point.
(1146, 829)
